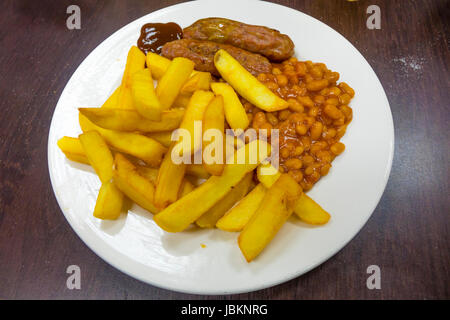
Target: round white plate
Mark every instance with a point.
(135, 245)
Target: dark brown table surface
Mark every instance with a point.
(407, 235)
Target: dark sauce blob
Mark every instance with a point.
(155, 35)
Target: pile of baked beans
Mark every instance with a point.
(317, 117)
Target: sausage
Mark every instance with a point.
(202, 53)
(257, 39)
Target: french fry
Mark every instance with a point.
(131, 120)
(144, 96)
(125, 99)
(185, 188)
(137, 145)
(113, 99)
(198, 81)
(210, 218)
(98, 153)
(238, 216)
(275, 208)
(180, 214)
(194, 112)
(214, 119)
(310, 211)
(110, 199)
(163, 137)
(73, 149)
(174, 78)
(234, 111)
(170, 177)
(151, 174)
(197, 171)
(306, 208)
(109, 202)
(182, 101)
(246, 84)
(132, 184)
(159, 65)
(135, 62)
(267, 174)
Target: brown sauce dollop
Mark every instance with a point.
(155, 35)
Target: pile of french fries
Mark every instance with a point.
(128, 142)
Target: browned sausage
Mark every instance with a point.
(258, 39)
(202, 53)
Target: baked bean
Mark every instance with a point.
(284, 114)
(300, 68)
(335, 91)
(314, 112)
(272, 85)
(276, 71)
(284, 153)
(301, 129)
(316, 130)
(298, 151)
(333, 101)
(316, 72)
(314, 177)
(295, 106)
(324, 156)
(262, 77)
(259, 119)
(332, 111)
(344, 86)
(317, 85)
(307, 160)
(306, 142)
(325, 169)
(344, 98)
(282, 80)
(293, 163)
(337, 148)
(306, 101)
(319, 99)
(273, 120)
(330, 133)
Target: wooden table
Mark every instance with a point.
(407, 235)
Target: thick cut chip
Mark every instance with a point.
(234, 111)
(246, 84)
(238, 216)
(132, 184)
(275, 208)
(137, 145)
(144, 96)
(210, 218)
(169, 86)
(73, 149)
(98, 153)
(214, 137)
(170, 178)
(131, 120)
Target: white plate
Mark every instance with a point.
(137, 246)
